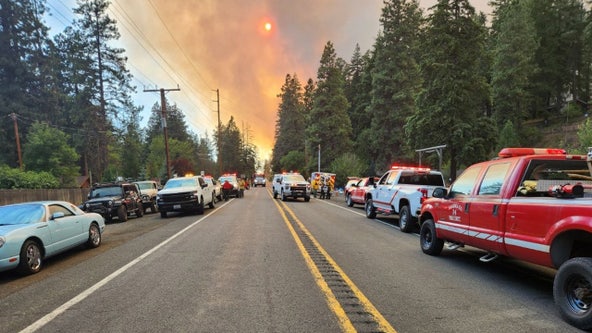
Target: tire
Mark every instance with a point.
(200, 207)
(571, 291)
(122, 213)
(212, 203)
(153, 207)
(140, 211)
(307, 199)
(405, 219)
(163, 214)
(284, 197)
(30, 258)
(94, 236)
(349, 201)
(429, 242)
(370, 209)
(275, 194)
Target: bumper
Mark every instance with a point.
(177, 206)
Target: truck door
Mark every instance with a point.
(487, 210)
(453, 213)
(385, 191)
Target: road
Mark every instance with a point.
(262, 265)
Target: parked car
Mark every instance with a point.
(148, 190)
(114, 200)
(216, 187)
(231, 178)
(33, 231)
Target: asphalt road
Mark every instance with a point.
(262, 265)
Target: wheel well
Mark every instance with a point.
(571, 244)
(403, 202)
(424, 217)
(40, 242)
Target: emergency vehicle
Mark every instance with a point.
(401, 190)
(531, 204)
(291, 185)
(322, 184)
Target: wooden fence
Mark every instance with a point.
(74, 195)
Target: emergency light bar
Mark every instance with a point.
(513, 152)
(402, 167)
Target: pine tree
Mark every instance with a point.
(450, 108)
(330, 125)
(290, 123)
(514, 45)
(108, 74)
(395, 80)
(23, 41)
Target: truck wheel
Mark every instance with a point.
(153, 207)
(405, 219)
(284, 197)
(572, 291)
(307, 198)
(370, 209)
(211, 204)
(200, 207)
(274, 194)
(140, 211)
(430, 244)
(122, 213)
(349, 201)
(163, 214)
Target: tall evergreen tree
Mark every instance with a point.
(395, 80)
(230, 147)
(560, 28)
(110, 78)
(514, 44)
(290, 123)
(450, 106)
(23, 41)
(330, 126)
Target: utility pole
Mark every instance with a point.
(18, 141)
(219, 131)
(164, 124)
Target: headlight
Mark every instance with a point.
(110, 203)
(2, 241)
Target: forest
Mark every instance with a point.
(447, 75)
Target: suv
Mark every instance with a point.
(216, 187)
(259, 181)
(114, 199)
(185, 194)
(148, 190)
(291, 185)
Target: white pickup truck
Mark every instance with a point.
(401, 190)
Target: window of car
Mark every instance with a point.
(494, 179)
(59, 209)
(465, 183)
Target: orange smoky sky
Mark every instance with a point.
(206, 45)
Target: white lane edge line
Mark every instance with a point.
(77, 299)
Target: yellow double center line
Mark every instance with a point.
(344, 321)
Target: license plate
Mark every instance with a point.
(177, 207)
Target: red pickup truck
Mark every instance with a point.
(531, 204)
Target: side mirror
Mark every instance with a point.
(440, 192)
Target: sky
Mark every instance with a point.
(204, 46)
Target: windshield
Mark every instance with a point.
(294, 178)
(180, 182)
(144, 186)
(22, 214)
(230, 179)
(102, 192)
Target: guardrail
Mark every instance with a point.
(74, 195)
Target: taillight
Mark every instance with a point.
(424, 194)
